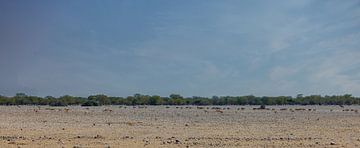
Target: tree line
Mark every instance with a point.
(176, 99)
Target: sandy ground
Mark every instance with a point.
(187, 126)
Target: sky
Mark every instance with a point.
(192, 48)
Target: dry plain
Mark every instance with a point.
(179, 126)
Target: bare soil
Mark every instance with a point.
(179, 126)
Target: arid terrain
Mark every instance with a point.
(179, 126)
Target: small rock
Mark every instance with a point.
(98, 136)
(332, 143)
(177, 141)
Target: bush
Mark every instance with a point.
(58, 103)
(90, 103)
(262, 107)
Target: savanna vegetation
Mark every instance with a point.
(176, 99)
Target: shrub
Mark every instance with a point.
(58, 103)
(90, 103)
(262, 107)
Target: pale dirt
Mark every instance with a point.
(158, 126)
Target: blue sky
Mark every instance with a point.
(195, 48)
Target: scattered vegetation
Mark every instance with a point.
(176, 99)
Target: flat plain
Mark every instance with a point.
(179, 126)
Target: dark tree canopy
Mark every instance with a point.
(176, 99)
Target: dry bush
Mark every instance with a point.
(300, 109)
(130, 123)
(262, 107)
(107, 110)
(219, 111)
(216, 108)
